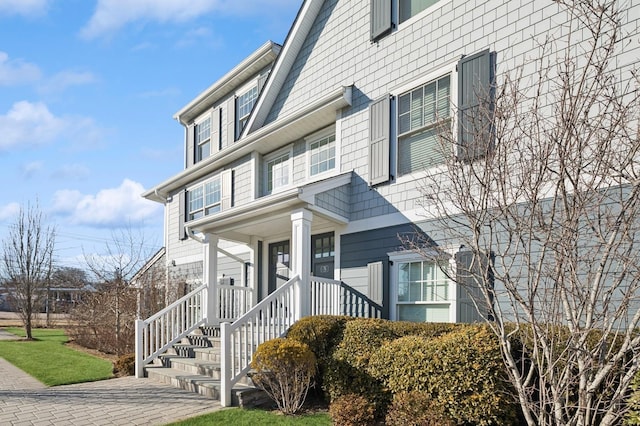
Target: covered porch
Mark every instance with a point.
(289, 269)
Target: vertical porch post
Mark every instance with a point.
(210, 277)
(301, 258)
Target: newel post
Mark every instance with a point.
(225, 365)
(139, 348)
(301, 258)
(210, 277)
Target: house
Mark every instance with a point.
(302, 168)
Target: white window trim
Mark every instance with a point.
(417, 16)
(239, 92)
(196, 124)
(396, 259)
(315, 137)
(287, 150)
(450, 67)
(204, 206)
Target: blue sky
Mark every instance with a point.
(88, 92)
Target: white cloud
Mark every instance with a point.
(112, 207)
(9, 211)
(24, 7)
(111, 15)
(65, 79)
(30, 123)
(16, 71)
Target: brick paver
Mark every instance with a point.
(123, 401)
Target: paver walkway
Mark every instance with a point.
(123, 401)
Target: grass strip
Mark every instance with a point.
(239, 416)
(47, 358)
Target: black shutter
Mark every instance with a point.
(190, 142)
(379, 140)
(474, 269)
(231, 121)
(380, 18)
(182, 205)
(215, 130)
(475, 100)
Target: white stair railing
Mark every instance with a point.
(267, 320)
(157, 333)
(325, 296)
(233, 302)
(270, 318)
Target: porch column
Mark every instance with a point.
(210, 277)
(301, 257)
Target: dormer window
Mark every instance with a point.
(203, 139)
(245, 104)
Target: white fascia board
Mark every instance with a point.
(292, 45)
(265, 54)
(268, 138)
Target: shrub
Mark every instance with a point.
(461, 372)
(125, 365)
(322, 334)
(633, 416)
(284, 368)
(415, 409)
(347, 371)
(352, 410)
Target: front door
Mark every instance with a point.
(322, 255)
(278, 264)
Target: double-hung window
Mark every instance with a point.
(322, 155)
(422, 292)
(278, 171)
(245, 103)
(423, 113)
(204, 199)
(203, 139)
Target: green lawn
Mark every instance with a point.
(48, 360)
(238, 416)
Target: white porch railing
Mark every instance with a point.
(233, 302)
(269, 319)
(325, 296)
(158, 332)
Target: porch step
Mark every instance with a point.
(241, 395)
(194, 365)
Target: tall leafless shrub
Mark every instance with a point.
(551, 214)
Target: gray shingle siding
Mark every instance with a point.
(336, 200)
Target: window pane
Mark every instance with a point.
(424, 313)
(322, 155)
(212, 192)
(203, 130)
(203, 151)
(409, 8)
(419, 151)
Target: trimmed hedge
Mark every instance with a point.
(461, 372)
(456, 367)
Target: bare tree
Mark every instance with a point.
(548, 205)
(27, 261)
(113, 269)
